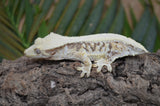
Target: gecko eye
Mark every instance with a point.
(37, 51)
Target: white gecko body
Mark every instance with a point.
(101, 49)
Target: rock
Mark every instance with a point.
(135, 80)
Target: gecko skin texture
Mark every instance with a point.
(95, 50)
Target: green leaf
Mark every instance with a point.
(6, 22)
(10, 8)
(6, 31)
(20, 11)
(158, 2)
(3, 12)
(46, 5)
(11, 14)
(150, 36)
(141, 27)
(157, 42)
(79, 18)
(118, 23)
(15, 6)
(1, 58)
(38, 19)
(93, 19)
(67, 16)
(109, 16)
(29, 18)
(8, 51)
(11, 42)
(127, 31)
(143, 3)
(56, 14)
(36, 1)
(43, 30)
(133, 17)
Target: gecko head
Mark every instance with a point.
(41, 45)
(36, 50)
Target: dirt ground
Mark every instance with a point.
(134, 81)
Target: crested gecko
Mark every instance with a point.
(101, 49)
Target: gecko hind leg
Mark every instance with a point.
(102, 62)
(85, 68)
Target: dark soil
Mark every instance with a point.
(27, 82)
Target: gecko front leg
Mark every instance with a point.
(86, 64)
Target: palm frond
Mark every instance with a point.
(118, 22)
(79, 18)
(22, 21)
(93, 19)
(108, 18)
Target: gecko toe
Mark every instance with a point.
(82, 74)
(94, 65)
(109, 67)
(88, 74)
(99, 69)
(84, 69)
(79, 68)
(100, 66)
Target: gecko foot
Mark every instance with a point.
(101, 63)
(84, 69)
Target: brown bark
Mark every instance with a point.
(134, 81)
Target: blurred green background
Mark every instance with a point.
(22, 21)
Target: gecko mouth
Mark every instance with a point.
(30, 52)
